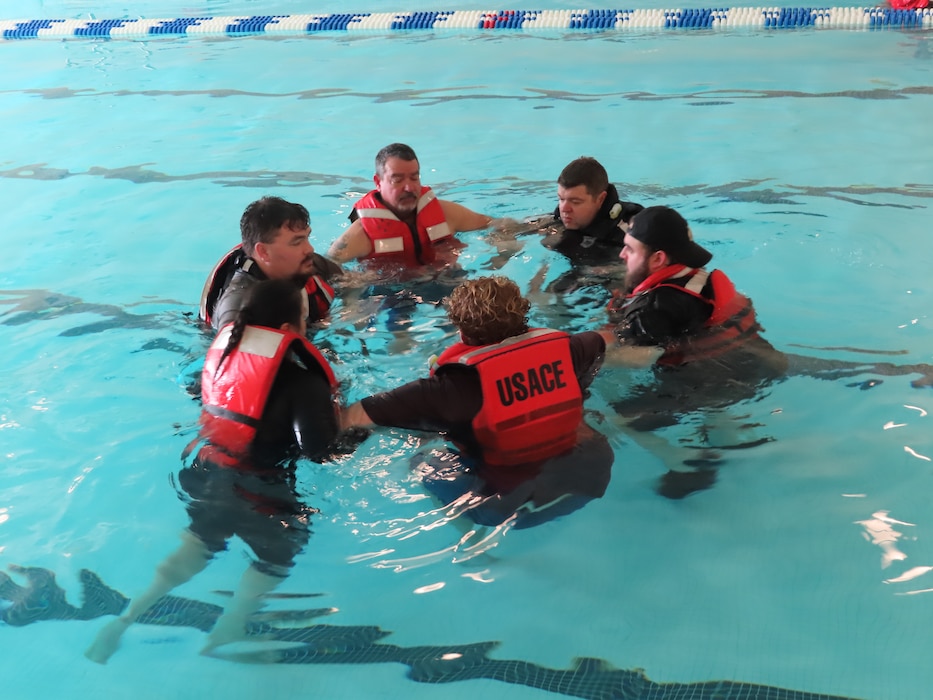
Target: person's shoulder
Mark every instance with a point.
(326, 267)
(589, 341)
(352, 244)
(231, 299)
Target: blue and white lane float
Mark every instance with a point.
(474, 21)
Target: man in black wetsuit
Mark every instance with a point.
(275, 245)
(593, 219)
(587, 227)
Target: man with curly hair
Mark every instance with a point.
(510, 399)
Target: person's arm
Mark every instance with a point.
(460, 219)
(326, 268)
(587, 350)
(629, 209)
(620, 354)
(446, 401)
(355, 416)
(352, 244)
(231, 301)
(314, 419)
(299, 412)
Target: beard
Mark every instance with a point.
(405, 206)
(300, 279)
(635, 276)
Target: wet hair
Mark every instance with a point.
(269, 303)
(393, 150)
(488, 310)
(585, 171)
(263, 218)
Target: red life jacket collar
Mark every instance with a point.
(665, 273)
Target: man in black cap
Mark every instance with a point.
(702, 336)
(671, 301)
(704, 340)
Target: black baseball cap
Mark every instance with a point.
(662, 228)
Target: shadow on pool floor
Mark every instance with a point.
(41, 598)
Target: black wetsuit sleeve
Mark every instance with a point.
(447, 401)
(661, 316)
(299, 414)
(314, 419)
(232, 299)
(326, 267)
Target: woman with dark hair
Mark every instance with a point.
(269, 397)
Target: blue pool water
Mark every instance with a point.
(802, 160)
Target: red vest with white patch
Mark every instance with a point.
(235, 397)
(731, 324)
(393, 239)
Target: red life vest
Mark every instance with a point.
(731, 324)
(234, 398)
(318, 293)
(532, 401)
(392, 238)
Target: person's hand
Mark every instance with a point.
(506, 228)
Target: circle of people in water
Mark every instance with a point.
(519, 446)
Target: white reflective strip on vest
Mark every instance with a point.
(260, 341)
(425, 199)
(530, 335)
(376, 214)
(437, 232)
(389, 245)
(698, 282)
(683, 273)
(305, 303)
(222, 338)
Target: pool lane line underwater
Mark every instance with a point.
(41, 598)
(474, 21)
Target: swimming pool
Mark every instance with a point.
(800, 158)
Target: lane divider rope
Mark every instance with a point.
(475, 21)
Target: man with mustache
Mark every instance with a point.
(274, 246)
(405, 239)
(402, 221)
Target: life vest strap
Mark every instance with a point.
(697, 282)
(227, 414)
(376, 214)
(537, 414)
